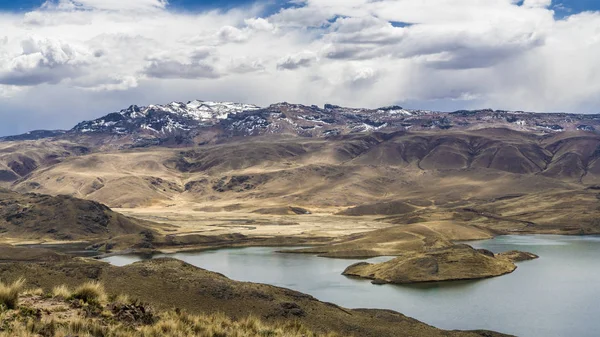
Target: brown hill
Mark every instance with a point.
(339, 171)
(168, 284)
(10, 253)
(438, 172)
(19, 159)
(35, 216)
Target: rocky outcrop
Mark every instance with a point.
(517, 256)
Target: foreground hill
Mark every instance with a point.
(168, 284)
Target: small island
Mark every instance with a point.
(458, 262)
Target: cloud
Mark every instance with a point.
(361, 78)
(167, 69)
(42, 61)
(112, 83)
(450, 46)
(302, 17)
(537, 3)
(365, 30)
(245, 65)
(260, 24)
(457, 54)
(232, 34)
(295, 61)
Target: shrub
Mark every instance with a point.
(90, 292)
(9, 294)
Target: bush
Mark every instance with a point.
(90, 292)
(9, 294)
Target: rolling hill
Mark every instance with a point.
(505, 171)
(34, 216)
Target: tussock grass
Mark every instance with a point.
(14, 323)
(9, 294)
(33, 292)
(61, 291)
(122, 299)
(169, 326)
(90, 292)
(173, 324)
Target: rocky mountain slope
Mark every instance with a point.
(497, 172)
(208, 122)
(496, 167)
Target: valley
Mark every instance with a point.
(204, 175)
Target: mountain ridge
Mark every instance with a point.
(197, 121)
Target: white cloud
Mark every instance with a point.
(294, 61)
(7, 91)
(232, 34)
(244, 65)
(492, 53)
(42, 61)
(260, 24)
(537, 3)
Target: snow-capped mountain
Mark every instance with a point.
(164, 119)
(204, 122)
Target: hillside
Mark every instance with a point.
(494, 176)
(35, 216)
(167, 284)
(20, 158)
(225, 154)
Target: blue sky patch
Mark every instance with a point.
(576, 6)
(399, 24)
(562, 7)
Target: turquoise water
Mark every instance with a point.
(555, 296)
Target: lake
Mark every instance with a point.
(554, 296)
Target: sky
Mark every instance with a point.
(64, 61)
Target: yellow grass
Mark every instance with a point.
(33, 292)
(9, 294)
(73, 322)
(90, 292)
(61, 291)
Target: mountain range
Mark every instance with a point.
(536, 172)
(208, 122)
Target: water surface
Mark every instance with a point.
(554, 296)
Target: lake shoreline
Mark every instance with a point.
(448, 304)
